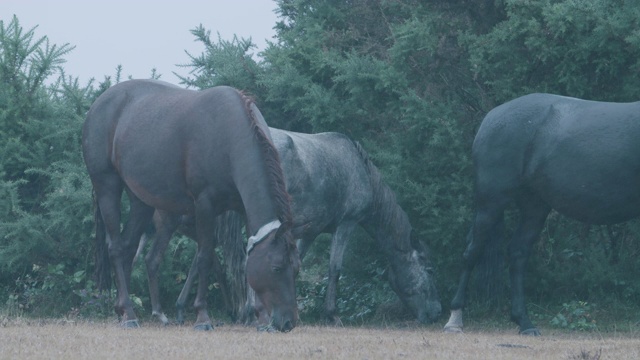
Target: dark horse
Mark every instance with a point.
(335, 187)
(543, 152)
(197, 153)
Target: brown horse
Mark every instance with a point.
(196, 153)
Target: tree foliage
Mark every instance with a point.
(410, 80)
(45, 191)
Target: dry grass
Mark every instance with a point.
(33, 339)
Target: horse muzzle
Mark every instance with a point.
(430, 313)
(284, 323)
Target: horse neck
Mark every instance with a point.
(259, 177)
(259, 206)
(388, 223)
(385, 221)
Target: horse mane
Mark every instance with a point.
(391, 223)
(274, 170)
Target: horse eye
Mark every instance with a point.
(430, 270)
(276, 269)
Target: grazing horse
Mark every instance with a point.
(543, 152)
(335, 187)
(196, 153)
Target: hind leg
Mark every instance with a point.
(488, 216)
(533, 214)
(121, 247)
(108, 193)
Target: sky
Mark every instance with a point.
(139, 34)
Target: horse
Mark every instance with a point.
(196, 153)
(544, 152)
(335, 187)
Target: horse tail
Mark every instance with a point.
(386, 213)
(233, 250)
(490, 286)
(102, 271)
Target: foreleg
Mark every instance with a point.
(165, 225)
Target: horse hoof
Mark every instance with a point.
(266, 328)
(130, 324)
(163, 318)
(203, 327)
(334, 321)
(452, 330)
(531, 332)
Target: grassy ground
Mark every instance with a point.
(60, 339)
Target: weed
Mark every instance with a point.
(575, 315)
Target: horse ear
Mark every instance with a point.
(280, 233)
(284, 227)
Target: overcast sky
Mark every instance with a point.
(139, 34)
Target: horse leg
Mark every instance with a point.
(533, 214)
(166, 225)
(108, 192)
(205, 229)
(303, 245)
(338, 245)
(182, 298)
(486, 219)
(139, 217)
(193, 272)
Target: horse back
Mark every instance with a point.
(326, 178)
(581, 157)
(167, 143)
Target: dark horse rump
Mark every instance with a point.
(334, 187)
(197, 153)
(543, 152)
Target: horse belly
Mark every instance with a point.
(156, 175)
(599, 211)
(165, 192)
(589, 191)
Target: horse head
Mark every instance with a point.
(411, 277)
(272, 265)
